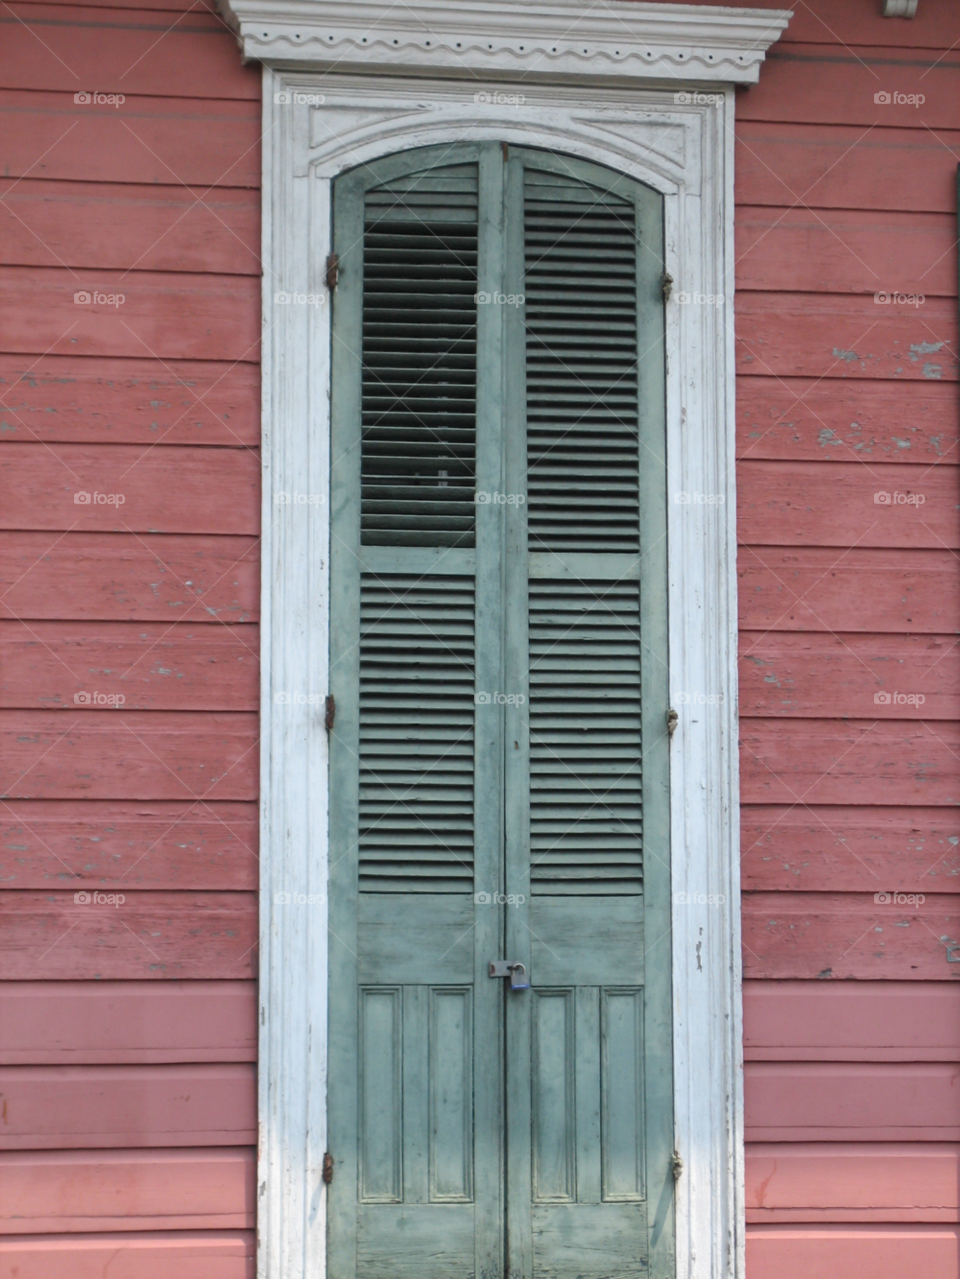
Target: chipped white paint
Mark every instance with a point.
(685, 150)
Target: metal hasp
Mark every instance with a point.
(512, 969)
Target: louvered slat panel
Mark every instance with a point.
(420, 359)
(581, 366)
(416, 733)
(585, 759)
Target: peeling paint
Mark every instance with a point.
(844, 355)
(932, 370)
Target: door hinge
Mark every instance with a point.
(327, 1173)
(667, 285)
(677, 1165)
(333, 271)
(329, 712)
(673, 719)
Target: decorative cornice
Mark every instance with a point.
(616, 38)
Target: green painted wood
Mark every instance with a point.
(491, 737)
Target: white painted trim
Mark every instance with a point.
(612, 38)
(683, 148)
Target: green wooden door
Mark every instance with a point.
(498, 783)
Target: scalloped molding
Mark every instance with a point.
(612, 38)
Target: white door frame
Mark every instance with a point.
(592, 85)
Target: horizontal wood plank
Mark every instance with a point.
(845, 251)
(170, 845)
(851, 936)
(133, 488)
(207, 142)
(180, 667)
(851, 1101)
(163, 316)
(806, 848)
(825, 1252)
(845, 167)
(108, 226)
(134, 52)
(64, 1023)
(849, 761)
(59, 397)
(873, 591)
(827, 336)
(850, 1021)
(156, 1255)
(802, 504)
(90, 934)
(57, 1192)
(86, 1107)
(840, 1181)
(136, 577)
(850, 22)
(800, 420)
(119, 754)
(843, 675)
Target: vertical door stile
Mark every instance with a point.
(488, 818)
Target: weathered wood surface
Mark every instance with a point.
(864, 761)
(139, 577)
(53, 936)
(810, 848)
(796, 503)
(133, 488)
(852, 1101)
(850, 1021)
(208, 142)
(843, 1181)
(72, 1023)
(84, 1107)
(118, 754)
(851, 936)
(163, 315)
(102, 226)
(60, 397)
(59, 1191)
(800, 419)
(180, 667)
(880, 1251)
(214, 1254)
(828, 676)
(872, 591)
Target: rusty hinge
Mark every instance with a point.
(677, 1165)
(673, 719)
(327, 1173)
(333, 271)
(329, 712)
(667, 285)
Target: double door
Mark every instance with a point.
(499, 756)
